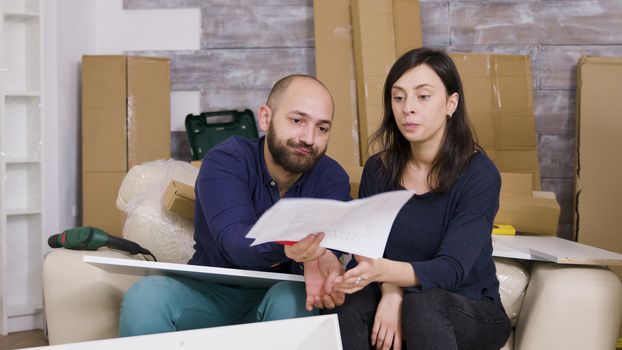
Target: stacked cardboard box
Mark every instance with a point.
(499, 100)
(528, 211)
(125, 121)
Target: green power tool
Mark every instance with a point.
(91, 238)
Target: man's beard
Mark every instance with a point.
(285, 158)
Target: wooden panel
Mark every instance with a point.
(563, 23)
(557, 156)
(218, 99)
(498, 24)
(157, 4)
(257, 26)
(558, 64)
(555, 112)
(580, 22)
(235, 69)
(435, 24)
(564, 191)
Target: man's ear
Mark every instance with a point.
(265, 115)
(452, 103)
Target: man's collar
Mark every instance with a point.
(267, 178)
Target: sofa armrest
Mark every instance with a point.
(81, 301)
(569, 307)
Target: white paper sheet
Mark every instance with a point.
(360, 226)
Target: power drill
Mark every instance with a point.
(91, 238)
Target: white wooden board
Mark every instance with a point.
(221, 275)
(306, 333)
(557, 250)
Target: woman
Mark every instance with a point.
(436, 286)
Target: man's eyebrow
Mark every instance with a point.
(301, 113)
(307, 116)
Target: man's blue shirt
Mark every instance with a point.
(234, 189)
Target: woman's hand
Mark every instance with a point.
(369, 270)
(306, 250)
(387, 329)
(366, 272)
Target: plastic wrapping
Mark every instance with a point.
(513, 278)
(167, 235)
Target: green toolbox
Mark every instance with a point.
(208, 129)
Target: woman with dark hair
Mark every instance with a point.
(436, 286)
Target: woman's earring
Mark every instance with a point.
(448, 116)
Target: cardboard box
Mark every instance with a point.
(354, 173)
(599, 165)
(529, 213)
(516, 183)
(376, 47)
(532, 212)
(499, 100)
(125, 122)
(334, 66)
(99, 197)
(179, 198)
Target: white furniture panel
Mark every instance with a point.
(21, 52)
(21, 168)
(22, 128)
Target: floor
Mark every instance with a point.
(23, 340)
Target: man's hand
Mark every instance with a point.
(331, 268)
(319, 280)
(387, 329)
(306, 250)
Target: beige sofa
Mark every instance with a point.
(551, 306)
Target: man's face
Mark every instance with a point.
(293, 155)
(299, 128)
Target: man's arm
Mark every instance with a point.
(223, 189)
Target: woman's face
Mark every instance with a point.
(420, 106)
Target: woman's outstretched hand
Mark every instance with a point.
(366, 272)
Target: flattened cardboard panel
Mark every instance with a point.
(374, 23)
(334, 65)
(599, 168)
(499, 100)
(148, 84)
(374, 50)
(99, 196)
(407, 26)
(104, 146)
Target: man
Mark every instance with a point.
(238, 181)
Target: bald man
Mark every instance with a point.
(238, 181)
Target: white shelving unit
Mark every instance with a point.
(21, 168)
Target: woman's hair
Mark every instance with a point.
(458, 143)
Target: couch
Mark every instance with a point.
(551, 306)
